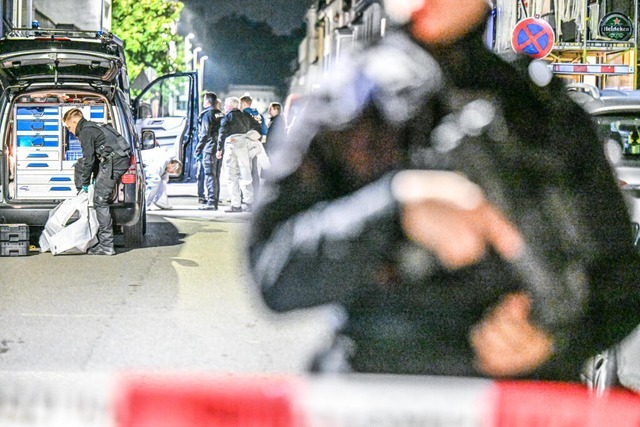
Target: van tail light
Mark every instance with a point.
(129, 176)
(52, 38)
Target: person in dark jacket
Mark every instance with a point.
(277, 125)
(209, 125)
(460, 236)
(106, 157)
(233, 139)
(246, 103)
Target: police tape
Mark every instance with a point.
(242, 400)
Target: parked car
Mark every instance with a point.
(617, 117)
(44, 73)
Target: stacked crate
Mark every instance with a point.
(40, 173)
(46, 152)
(14, 239)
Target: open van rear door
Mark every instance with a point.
(169, 106)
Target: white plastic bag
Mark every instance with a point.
(61, 237)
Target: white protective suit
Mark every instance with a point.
(240, 149)
(157, 178)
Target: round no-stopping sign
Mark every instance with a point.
(533, 37)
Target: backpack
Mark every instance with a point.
(114, 143)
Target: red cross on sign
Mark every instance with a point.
(533, 37)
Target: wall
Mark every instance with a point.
(95, 14)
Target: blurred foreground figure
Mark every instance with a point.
(458, 207)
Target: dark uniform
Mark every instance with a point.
(236, 122)
(209, 124)
(102, 153)
(327, 229)
(277, 131)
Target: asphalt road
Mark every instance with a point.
(183, 302)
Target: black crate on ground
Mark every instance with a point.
(14, 232)
(14, 248)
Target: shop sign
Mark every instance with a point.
(616, 26)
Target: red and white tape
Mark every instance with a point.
(234, 400)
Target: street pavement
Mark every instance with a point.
(183, 198)
(183, 301)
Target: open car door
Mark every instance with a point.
(168, 106)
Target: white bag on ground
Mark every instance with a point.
(77, 237)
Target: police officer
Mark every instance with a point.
(107, 156)
(366, 210)
(208, 165)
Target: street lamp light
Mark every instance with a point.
(201, 73)
(195, 58)
(187, 48)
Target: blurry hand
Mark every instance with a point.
(85, 188)
(460, 237)
(218, 154)
(448, 215)
(506, 343)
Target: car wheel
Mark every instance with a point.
(134, 234)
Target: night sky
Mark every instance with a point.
(282, 15)
(244, 54)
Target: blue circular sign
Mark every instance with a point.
(533, 37)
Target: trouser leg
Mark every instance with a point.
(200, 178)
(244, 167)
(103, 189)
(109, 174)
(216, 181)
(153, 187)
(233, 172)
(210, 162)
(208, 179)
(162, 198)
(255, 175)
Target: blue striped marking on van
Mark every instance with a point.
(34, 112)
(37, 141)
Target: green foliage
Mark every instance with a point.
(146, 28)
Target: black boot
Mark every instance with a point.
(99, 250)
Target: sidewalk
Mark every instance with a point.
(183, 197)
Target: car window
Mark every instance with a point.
(624, 130)
(166, 98)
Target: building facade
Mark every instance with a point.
(56, 14)
(593, 41)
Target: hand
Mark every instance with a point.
(85, 188)
(449, 215)
(506, 343)
(460, 237)
(218, 154)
